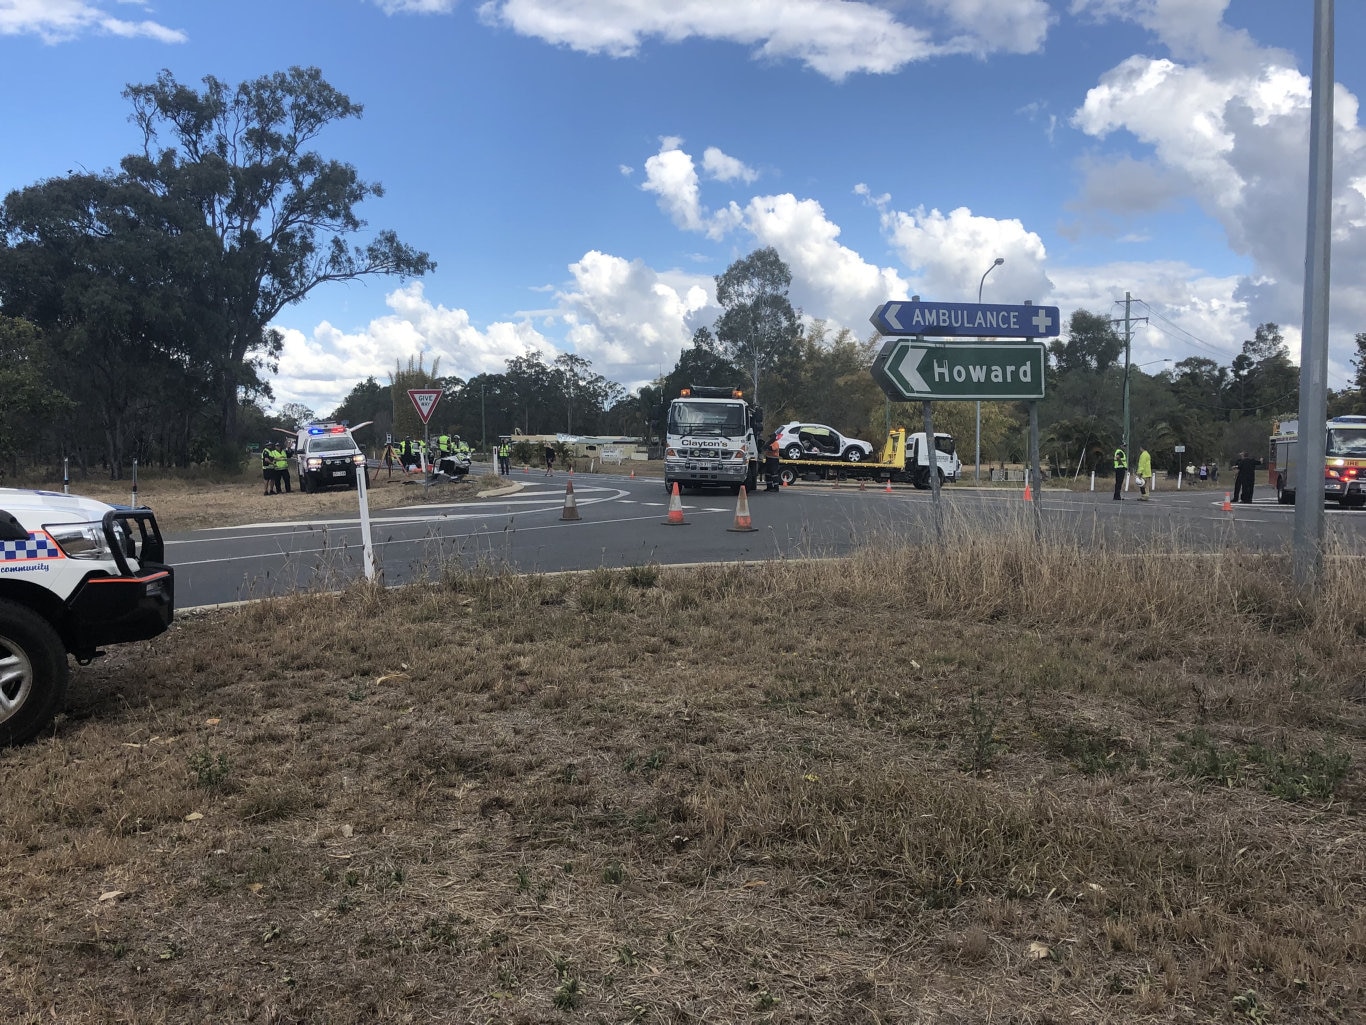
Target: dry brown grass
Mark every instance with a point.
(1034, 785)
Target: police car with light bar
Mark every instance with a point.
(75, 575)
(327, 455)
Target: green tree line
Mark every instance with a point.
(135, 307)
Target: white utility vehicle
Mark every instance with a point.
(75, 575)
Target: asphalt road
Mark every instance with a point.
(622, 522)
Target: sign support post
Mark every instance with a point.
(424, 401)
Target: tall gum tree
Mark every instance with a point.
(282, 213)
(758, 328)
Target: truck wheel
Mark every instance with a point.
(787, 475)
(33, 673)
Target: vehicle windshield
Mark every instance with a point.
(331, 443)
(944, 445)
(709, 418)
(1347, 442)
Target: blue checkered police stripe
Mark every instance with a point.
(38, 546)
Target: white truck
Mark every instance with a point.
(905, 458)
(711, 440)
(75, 575)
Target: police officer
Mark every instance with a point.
(282, 468)
(1121, 471)
(505, 457)
(443, 444)
(272, 482)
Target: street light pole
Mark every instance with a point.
(977, 471)
(483, 422)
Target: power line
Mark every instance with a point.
(1195, 339)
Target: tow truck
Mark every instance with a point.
(904, 459)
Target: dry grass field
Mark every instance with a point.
(984, 782)
(193, 504)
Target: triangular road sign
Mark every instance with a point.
(425, 401)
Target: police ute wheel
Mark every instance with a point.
(33, 673)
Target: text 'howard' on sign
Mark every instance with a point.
(908, 368)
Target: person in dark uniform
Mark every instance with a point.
(1245, 478)
(1121, 471)
(772, 472)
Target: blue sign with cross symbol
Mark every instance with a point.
(966, 320)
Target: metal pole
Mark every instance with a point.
(1036, 469)
(977, 464)
(483, 423)
(134, 502)
(932, 456)
(1127, 339)
(367, 544)
(1307, 553)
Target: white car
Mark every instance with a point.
(75, 575)
(819, 441)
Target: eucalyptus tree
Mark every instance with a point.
(758, 328)
(98, 263)
(282, 215)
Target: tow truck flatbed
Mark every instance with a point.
(890, 467)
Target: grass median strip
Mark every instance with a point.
(988, 780)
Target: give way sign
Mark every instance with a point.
(425, 401)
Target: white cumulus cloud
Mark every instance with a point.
(835, 38)
(1227, 124)
(58, 21)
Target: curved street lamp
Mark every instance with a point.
(977, 466)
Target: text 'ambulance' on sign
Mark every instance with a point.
(965, 320)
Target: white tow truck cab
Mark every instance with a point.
(711, 440)
(75, 575)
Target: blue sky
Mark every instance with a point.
(581, 169)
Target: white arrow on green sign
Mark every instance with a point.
(909, 368)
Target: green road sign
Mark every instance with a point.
(912, 368)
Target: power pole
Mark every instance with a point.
(1128, 341)
(1307, 541)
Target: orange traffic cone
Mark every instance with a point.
(1028, 494)
(571, 510)
(888, 488)
(1228, 506)
(633, 474)
(675, 509)
(743, 525)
